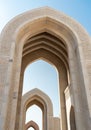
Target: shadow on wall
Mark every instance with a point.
(72, 119)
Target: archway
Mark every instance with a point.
(31, 124)
(44, 76)
(67, 51)
(58, 59)
(39, 98)
(34, 113)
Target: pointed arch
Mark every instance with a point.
(31, 124)
(40, 99)
(35, 96)
(13, 39)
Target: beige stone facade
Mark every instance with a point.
(52, 36)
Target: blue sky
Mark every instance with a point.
(40, 74)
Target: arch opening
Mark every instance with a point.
(33, 117)
(46, 46)
(42, 75)
(31, 128)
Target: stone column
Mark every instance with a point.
(63, 84)
(78, 91)
(68, 105)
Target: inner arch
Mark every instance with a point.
(42, 75)
(34, 117)
(47, 46)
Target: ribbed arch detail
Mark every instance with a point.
(49, 43)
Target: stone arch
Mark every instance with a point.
(39, 98)
(31, 124)
(49, 55)
(69, 34)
